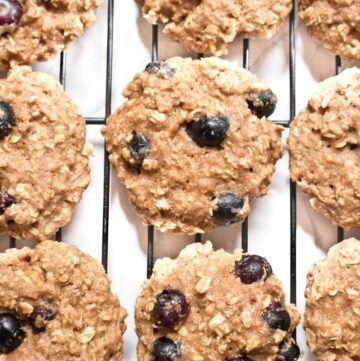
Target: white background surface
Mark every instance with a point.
(269, 228)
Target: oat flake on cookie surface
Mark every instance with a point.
(192, 143)
(332, 315)
(44, 166)
(208, 26)
(214, 306)
(36, 30)
(324, 145)
(56, 305)
(334, 23)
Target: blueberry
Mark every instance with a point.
(276, 317)
(252, 269)
(7, 119)
(239, 358)
(40, 317)
(11, 333)
(170, 308)
(227, 207)
(165, 349)
(139, 147)
(288, 351)
(11, 12)
(262, 104)
(161, 68)
(208, 131)
(6, 201)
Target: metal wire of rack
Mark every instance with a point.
(101, 120)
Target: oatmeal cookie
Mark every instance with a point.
(44, 166)
(208, 26)
(324, 145)
(335, 24)
(332, 315)
(214, 306)
(36, 30)
(192, 143)
(56, 304)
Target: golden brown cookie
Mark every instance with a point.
(192, 143)
(56, 304)
(44, 166)
(36, 30)
(324, 145)
(214, 306)
(334, 23)
(208, 26)
(332, 316)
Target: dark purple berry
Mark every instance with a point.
(262, 104)
(227, 207)
(7, 119)
(161, 68)
(240, 358)
(11, 333)
(252, 269)
(11, 12)
(165, 349)
(276, 317)
(208, 131)
(170, 308)
(6, 201)
(139, 147)
(288, 351)
(40, 317)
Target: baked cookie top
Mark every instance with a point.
(36, 30)
(43, 155)
(334, 23)
(192, 143)
(214, 306)
(332, 317)
(324, 145)
(208, 26)
(56, 304)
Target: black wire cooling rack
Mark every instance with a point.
(154, 57)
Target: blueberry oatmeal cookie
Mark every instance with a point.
(36, 30)
(43, 155)
(208, 26)
(332, 315)
(214, 306)
(334, 23)
(192, 143)
(56, 304)
(324, 145)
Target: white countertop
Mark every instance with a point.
(269, 225)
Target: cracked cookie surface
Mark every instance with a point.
(41, 28)
(332, 312)
(44, 165)
(208, 26)
(216, 306)
(192, 144)
(324, 145)
(335, 24)
(63, 301)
